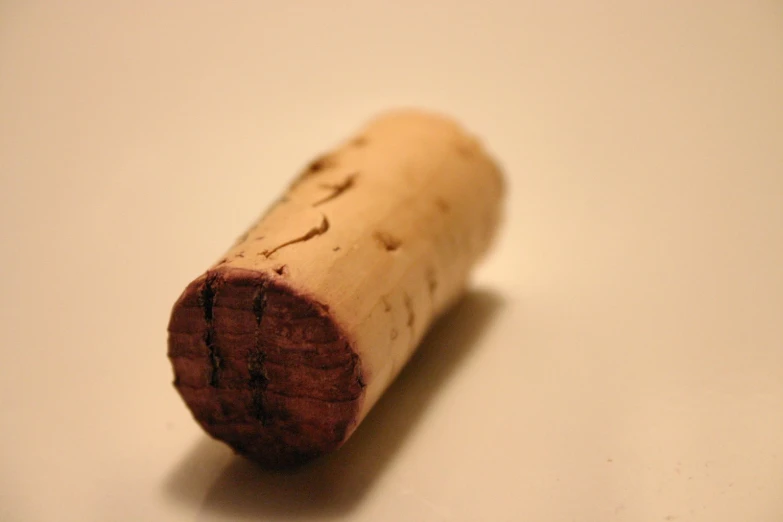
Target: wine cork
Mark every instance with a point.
(284, 345)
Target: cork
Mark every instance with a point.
(282, 347)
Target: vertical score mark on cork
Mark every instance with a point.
(255, 359)
(207, 303)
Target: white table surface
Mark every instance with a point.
(621, 355)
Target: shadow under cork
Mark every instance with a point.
(334, 485)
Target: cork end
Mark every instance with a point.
(263, 368)
(420, 125)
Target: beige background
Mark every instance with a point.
(620, 359)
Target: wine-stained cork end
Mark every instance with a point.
(263, 367)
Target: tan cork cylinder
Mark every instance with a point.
(282, 347)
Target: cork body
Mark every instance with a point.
(282, 347)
